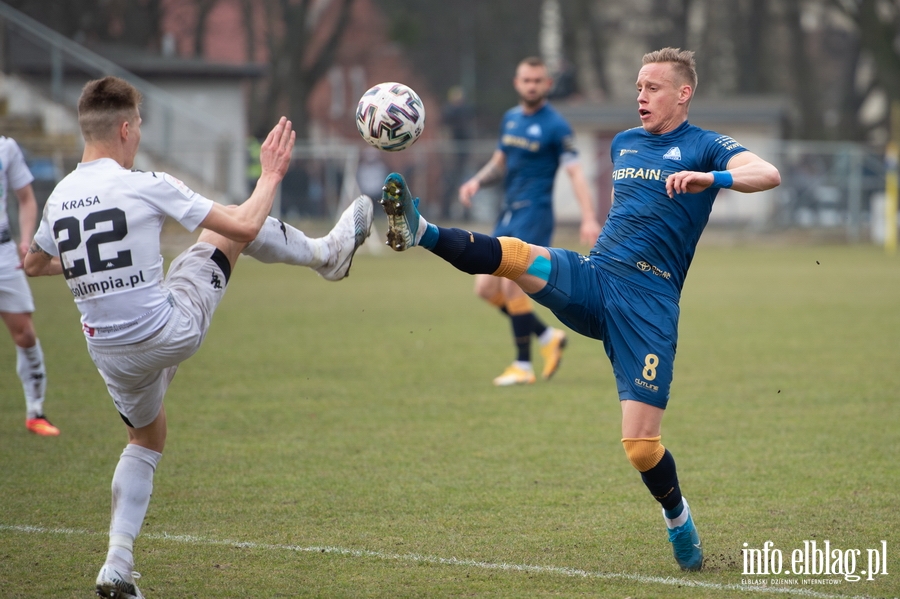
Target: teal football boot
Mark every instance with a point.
(686, 544)
(402, 212)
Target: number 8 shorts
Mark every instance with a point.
(137, 375)
(638, 327)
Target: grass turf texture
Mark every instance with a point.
(360, 416)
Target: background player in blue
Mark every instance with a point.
(626, 291)
(534, 141)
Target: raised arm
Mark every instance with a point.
(746, 173)
(242, 223)
(491, 172)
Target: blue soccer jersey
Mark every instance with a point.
(534, 146)
(650, 238)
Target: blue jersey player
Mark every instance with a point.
(535, 141)
(626, 291)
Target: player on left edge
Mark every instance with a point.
(16, 303)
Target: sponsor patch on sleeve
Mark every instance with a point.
(179, 185)
(728, 142)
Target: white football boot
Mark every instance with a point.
(346, 237)
(116, 583)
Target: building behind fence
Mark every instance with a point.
(195, 129)
(835, 188)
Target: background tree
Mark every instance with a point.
(203, 9)
(302, 41)
(470, 43)
(880, 20)
(129, 22)
(586, 42)
(836, 62)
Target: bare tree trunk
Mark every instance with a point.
(878, 38)
(250, 29)
(306, 71)
(254, 86)
(803, 74)
(266, 106)
(748, 27)
(293, 69)
(586, 46)
(204, 7)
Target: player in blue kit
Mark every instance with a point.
(626, 291)
(535, 140)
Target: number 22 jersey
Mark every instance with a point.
(104, 222)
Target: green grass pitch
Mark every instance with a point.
(344, 440)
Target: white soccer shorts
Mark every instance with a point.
(15, 295)
(137, 375)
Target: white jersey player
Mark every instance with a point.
(101, 230)
(16, 303)
(105, 223)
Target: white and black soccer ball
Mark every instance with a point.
(390, 116)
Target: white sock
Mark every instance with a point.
(132, 485)
(547, 336)
(682, 517)
(526, 366)
(121, 552)
(278, 242)
(420, 232)
(30, 368)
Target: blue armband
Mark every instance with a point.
(721, 180)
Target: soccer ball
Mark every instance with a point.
(390, 116)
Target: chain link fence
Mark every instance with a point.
(833, 188)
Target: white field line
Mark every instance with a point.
(453, 561)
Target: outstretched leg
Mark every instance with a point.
(278, 242)
(472, 253)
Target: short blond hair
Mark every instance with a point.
(682, 62)
(532, 61)
(104, 105)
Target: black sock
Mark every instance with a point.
(537, 327)
(472, 253)
(521, 326)
(662, 482)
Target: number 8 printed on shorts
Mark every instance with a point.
(650, 364)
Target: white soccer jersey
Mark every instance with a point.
(104, 222)
(14, 174)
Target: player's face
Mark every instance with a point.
(532, 84)
(662, 101)
(133, 141)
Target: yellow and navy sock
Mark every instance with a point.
(657, 468)
(662, 482)
(522, 317)
(479, 254)
(472, 253)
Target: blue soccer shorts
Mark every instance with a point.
(532, 224)
(638, 327)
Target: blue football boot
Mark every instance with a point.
(686, 544)
(402, 211)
